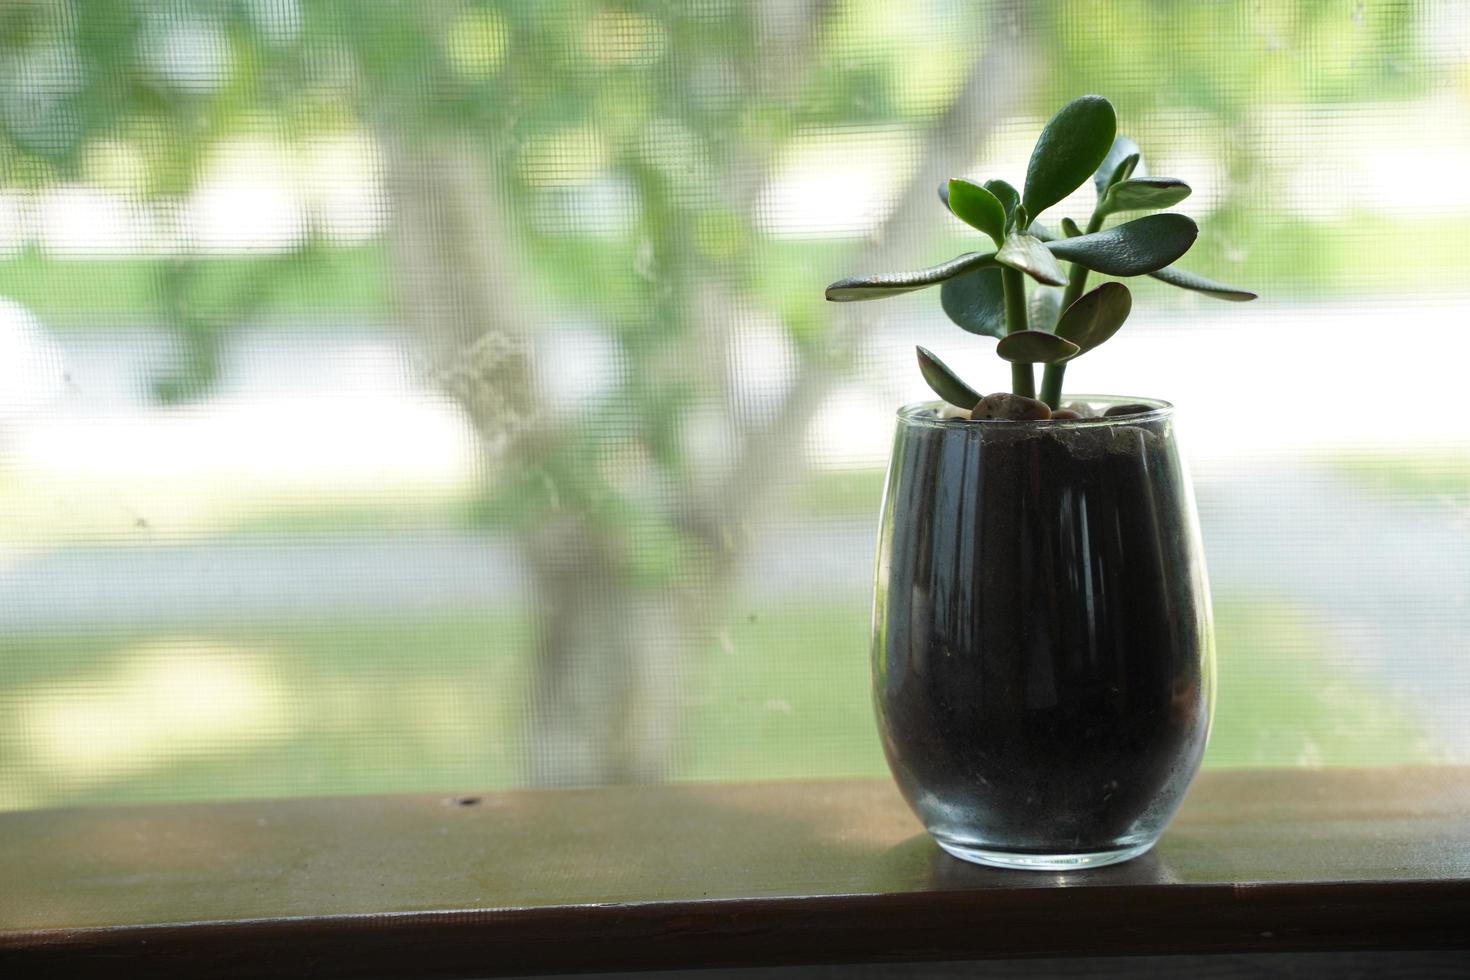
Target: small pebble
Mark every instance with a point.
(1065, 413)
(948, 411)
(1082, 409)
(1127, 410)
(1013, 408)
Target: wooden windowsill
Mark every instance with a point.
(711, 875)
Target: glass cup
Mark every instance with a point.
(1043, 655)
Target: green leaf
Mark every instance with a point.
(1007, 195)
(1126, 169)
(1131, 249)
(1122, 148)
(978, 208)
(886, 284)
(975, 300)
(1143, 194)
(944, 382)
(1069, 228)
(1188, 280)
(1070, 148)
(1096, 316)
(1043, 307)
(1030, 255)
(1035, 347)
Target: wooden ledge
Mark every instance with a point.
(711, 875)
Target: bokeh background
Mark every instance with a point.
(435, 395)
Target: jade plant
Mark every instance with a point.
(1055, 321)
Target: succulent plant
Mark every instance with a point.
(985, 291)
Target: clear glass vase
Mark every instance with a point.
(1043, 656)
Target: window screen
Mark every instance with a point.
(424, 395)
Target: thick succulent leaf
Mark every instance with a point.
(1035, 347)
(1125, 169)
(1070, 148)
(1143, 194)
(976, 301)
(886, 284)
(1043, 307)
(1007, 195)
(1188, 280)
(978, 208)
(1031, 256)
(1096, 315)
(1069, 228)
(944, 382)
(1122, 148)
(1131, 249)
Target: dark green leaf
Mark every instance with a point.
(1028, 254)
(1126, 168)
(1096, 315)
(1070, 148)
(1143, 194)
(1069, 228)
(944, 382)
(976, 301)
(1188, 280)
(1035, 347)
(886, 284)
(978, 208)
(1043, 306)
(1122, 148)
(1131, 249)
(1007, 195)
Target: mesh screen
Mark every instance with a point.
(431, 395)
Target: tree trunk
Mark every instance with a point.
(610, 655)
(610, 664)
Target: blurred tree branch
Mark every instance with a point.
(770, 459)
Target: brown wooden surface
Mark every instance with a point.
(689, 876)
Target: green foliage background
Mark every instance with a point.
(688, 105)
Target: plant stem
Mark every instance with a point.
(1051, 378)
(1013, 282)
